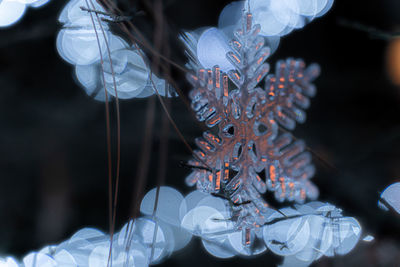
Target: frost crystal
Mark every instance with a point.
(250, 143)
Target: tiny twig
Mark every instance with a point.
(372, 31)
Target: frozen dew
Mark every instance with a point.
(212, 48)
(390, 198)
(10, 12)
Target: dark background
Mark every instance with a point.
(53, 169)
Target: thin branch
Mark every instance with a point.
(107, 126)
(372, 31)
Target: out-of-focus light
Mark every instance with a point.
(39, 3)
(39, 259)
(368, 238)
(391, 197)
(10, 12)
(393, 61)
(80, 45)
(169, 202)
(212, 48)
(9, 262)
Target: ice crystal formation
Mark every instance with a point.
(249, 140)
(247, 151)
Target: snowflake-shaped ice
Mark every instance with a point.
(250, 142)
